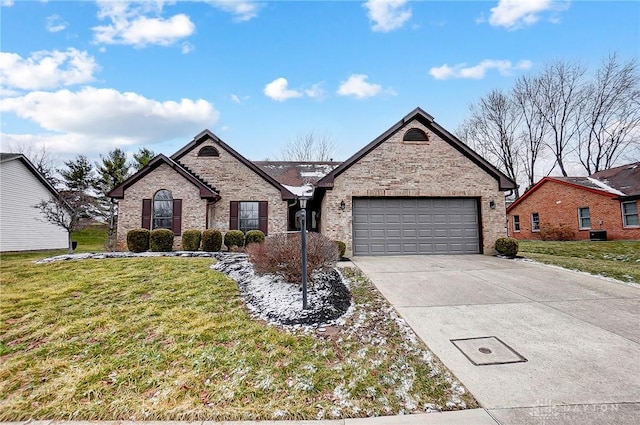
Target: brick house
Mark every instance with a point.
(585, 206)
(415, 189)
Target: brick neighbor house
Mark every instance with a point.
(606, 201)
(415, 189)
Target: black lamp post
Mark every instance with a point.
(303, 239)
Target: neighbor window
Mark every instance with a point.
(584, 218)
(516, 223)
(630, 214)
(535, 222)
(162, 210)
(248, 215)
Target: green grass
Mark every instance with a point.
(616, 259)
(92, 238)
(171, 339)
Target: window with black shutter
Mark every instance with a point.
(249, 215)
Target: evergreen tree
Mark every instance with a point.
(142, 158)
(112, 171)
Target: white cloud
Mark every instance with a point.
(356, 85)
(387, 15)
(514, 14)
(235, 98)
(107, 116)
(187, 48)
(278, 90)
(46, 69)
(316, 91)
(6, 3)
(55, 23)
(478, 71)
(242, 10)
(130, 24)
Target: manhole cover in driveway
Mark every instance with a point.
(487, 350)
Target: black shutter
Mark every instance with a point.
(146, 214)
(176, 223)
(263, 214)
(233, 215)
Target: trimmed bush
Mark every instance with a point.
(254, 236)
(191, 240)
(342, 247)
(234, 238)
(211, 240)
(281, 255)
(138, 240)
(507, 246)
(161, 240)
(562, 232)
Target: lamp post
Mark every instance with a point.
(303, 239)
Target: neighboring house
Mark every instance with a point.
(23, 227)
(605, 201)
(416, 189)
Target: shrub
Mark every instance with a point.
(562, 232)
(507, 246)
(234, 238)
(211, 240)
(191, 240)
(254, 236)
(161, 240)
(281, 255)
(138, 240)
(342, 247)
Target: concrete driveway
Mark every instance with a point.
(580, 335)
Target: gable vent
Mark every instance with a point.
(415, 135)
(208, 151)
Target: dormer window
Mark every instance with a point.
(208, 151)
(415, 135)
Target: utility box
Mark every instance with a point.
(598, 235)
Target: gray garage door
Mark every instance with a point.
(394, 226)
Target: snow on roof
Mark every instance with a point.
(605, 186)
(306, 190)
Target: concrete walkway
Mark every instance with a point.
(580, 335)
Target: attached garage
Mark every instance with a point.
(404, 226)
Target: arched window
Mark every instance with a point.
(208, 151)
(415, 135)
(163, 210)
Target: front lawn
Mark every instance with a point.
(616, 259)
(170, 339)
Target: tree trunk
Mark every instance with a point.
(70, 250)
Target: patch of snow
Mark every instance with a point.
(312, 174)
(306, 190)
(605, 186)
(278, 302)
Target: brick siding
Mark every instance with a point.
(558, 203)
(417, 169)
(235, 182)
(164, 177)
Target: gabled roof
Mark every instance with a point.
(293, 173)
(583, 183)
(208, 135)
(505, 183)
(206, 191)
(621, 183)
(7, 157)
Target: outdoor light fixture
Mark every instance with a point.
(492, 205)
(342, 205)
(303, 240)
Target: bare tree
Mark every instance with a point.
(610, 115)
(65, 210)
(309, 147)
(41, 158)
(533, 127)
(492, 129)
(560, 92)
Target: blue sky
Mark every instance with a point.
(86, 77)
